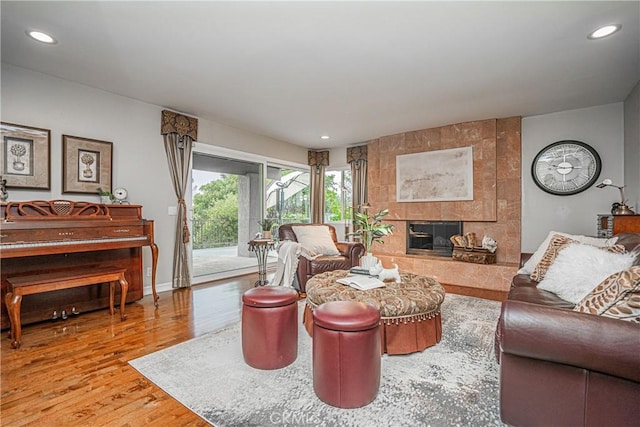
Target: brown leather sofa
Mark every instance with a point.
(350, 253)
(559, 367)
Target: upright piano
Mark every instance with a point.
(39, 237)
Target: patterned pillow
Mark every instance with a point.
(556, 244)
(617, 296)
(616, 249)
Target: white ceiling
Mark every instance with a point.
(353, 70)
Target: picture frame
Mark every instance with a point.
(25, 156)
(86, 165)
(435, 176)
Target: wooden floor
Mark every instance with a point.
(76, 372)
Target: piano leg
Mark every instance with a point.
(13, 309)
(124, 286)
(154, 256)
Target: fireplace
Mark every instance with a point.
(431, 237)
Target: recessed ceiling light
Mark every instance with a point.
(604, 31)
(41, 37)
(325, 137)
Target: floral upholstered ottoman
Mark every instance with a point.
(409, 311)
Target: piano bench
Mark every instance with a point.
(39, 283)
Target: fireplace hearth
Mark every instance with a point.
(431, 237)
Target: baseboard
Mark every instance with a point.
(160, 287)
(476, 292)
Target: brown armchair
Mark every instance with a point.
(350, 253)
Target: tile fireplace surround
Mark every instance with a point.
(495, 210)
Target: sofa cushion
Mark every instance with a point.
(534, 259)
(316, 239)
(537, 296)
(617, 296)
(579, 268)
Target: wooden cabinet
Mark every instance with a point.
(610, 225)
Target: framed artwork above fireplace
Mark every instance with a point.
(435, 176)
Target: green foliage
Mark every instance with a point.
(212, 193)
(267, 224)
(370, 228)
(106, 194)
(332, 203)
(215, 211)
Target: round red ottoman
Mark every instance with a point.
(270, 327)
(346, 353)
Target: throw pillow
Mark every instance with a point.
(617, 296)
(579, 268)
(531, 263)
(557, 243)
(315, 239)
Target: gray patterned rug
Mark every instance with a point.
(454, 383)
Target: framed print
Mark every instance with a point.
(435, 176)
(25, 156)
(86, 165)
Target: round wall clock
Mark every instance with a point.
(566, 167)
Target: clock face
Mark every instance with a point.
(120, 193)
(566, 167)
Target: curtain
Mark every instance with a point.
(317, 162)
(357, 158)
(179, 132)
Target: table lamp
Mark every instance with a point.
(622, 208)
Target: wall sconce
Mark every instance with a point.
(621, 208)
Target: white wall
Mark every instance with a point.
(632, 148)
(39, 100)
(236, 139)
(140, 163)
(602, 128)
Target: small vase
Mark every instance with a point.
(105, 200)
(266, 234)
(368, 261)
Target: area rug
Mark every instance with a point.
(454, 383)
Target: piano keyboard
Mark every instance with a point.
(18, 245)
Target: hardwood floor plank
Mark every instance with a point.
(76, 371)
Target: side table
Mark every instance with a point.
(261, 247)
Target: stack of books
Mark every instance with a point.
(359, 270)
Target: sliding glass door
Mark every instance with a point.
(227, 197)
(231, 193)
(287, 194)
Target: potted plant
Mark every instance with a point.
(106, 197)
(371, 229)
(267, 225)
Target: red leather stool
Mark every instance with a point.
(346, 353)
(270, 327)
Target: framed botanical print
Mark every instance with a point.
(25, 156)
(86, 165)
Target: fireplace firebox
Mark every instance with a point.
(431, 237)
